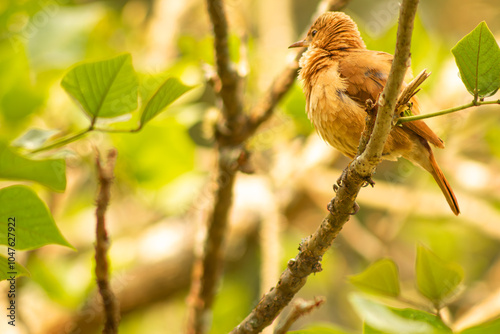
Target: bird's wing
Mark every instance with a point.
(365, 73)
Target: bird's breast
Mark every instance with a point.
(338, 119)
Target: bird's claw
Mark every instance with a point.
(330, 206)
(369, 182)
(355, 209)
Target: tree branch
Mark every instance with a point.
(228, 75)
(231, 132)
(110, 303)
(312, 249)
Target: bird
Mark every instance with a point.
(339, 74)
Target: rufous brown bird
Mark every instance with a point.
(339, 74)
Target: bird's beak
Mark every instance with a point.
(303, 43)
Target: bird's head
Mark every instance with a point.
(332, 31)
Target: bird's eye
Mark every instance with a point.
(314, 32)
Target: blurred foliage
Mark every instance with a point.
(163, 171)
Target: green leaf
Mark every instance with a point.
(381, 278)
(49, 172)
(7, 270)
(34, 225)
(106, 88)
(490, 327)
(436, 279)
(383, 319)
(478, 59)
(33, 138)
(168, 92)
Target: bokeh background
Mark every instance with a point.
(162, 185)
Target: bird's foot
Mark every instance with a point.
(369, 182)
(340, 180)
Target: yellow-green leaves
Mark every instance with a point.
(380, 278)
(34, 225)
(437, 280)
(109, 88)
(168, 92)
(478, 58)
(105, 88)
(6, 269)
(49, 172)
(382, 319)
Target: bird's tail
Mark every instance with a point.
(438, 175)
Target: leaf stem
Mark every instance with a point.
(445, 111)
(64, 141)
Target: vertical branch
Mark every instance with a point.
(232, 130)
(110, 303)
(228, 75)
(208, 265)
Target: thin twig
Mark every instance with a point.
(312, 249)
(229, 77)
(300, 308)
(445, 111)
(110, 303)
(63, 141)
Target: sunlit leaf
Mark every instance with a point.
(168, 92)
(381, 278)
(389, 320)
(436, 279)
(490, 327)
(49, 172)
(106, 88)
(33, 138)
(478, 58)
(9, 268)
(34, 225)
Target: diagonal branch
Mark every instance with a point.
(312, 249)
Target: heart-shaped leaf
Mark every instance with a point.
(478, 59)
(106, 88)
(9, 269)
(379, 318)
(34, 225)
(380, 278)
(436, 279)
(49, 172)
(168, 92)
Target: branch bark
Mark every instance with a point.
(231, 132)
(312, 249)
(109, 301)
